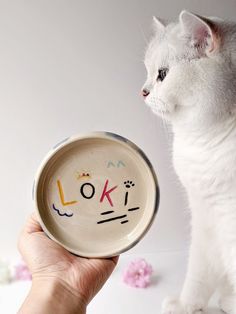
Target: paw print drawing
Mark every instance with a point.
(128, 184)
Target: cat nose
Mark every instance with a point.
(145, 92)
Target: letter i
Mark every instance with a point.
(126, 197)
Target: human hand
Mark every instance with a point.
(49, 262)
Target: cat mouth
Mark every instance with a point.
(160, 111)
(159, 107)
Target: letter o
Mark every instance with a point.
(82, 190)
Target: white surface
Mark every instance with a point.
(116, 297)
(75, 66)
(69, 67)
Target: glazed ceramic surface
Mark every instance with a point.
(96, 194)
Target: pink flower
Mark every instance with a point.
(138, 274)
(22, 272)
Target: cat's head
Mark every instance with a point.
(191, 69)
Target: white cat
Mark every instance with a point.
(191, 82)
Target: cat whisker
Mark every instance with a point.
(165, 125)
(144, 35)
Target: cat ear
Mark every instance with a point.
(159, 24)
(203, 32)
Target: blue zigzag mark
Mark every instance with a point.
(110, 164)
(120, 163)
(58, 211)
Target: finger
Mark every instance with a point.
(115, 259)
(108, 263)
(32, 225)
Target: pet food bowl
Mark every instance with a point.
(96, 194)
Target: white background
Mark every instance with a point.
(68, 67)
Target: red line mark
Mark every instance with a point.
(107, 193)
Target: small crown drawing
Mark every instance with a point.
(84, 175)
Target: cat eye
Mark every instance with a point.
(162, 74)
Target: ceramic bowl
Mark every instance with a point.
(96, 194)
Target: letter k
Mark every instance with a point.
(107, 193)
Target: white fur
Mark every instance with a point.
(198, 98)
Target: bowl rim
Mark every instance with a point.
(96, 135)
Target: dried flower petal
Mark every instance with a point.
(138, 274)
(22, 272)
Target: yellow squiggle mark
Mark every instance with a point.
(62, 197)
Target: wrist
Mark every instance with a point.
(49, 295)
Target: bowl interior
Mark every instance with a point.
(96, 196)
